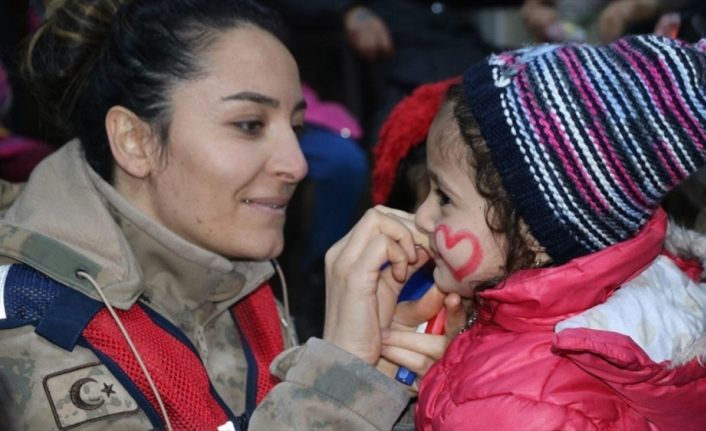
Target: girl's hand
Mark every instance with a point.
(365, 272)
(403, 346)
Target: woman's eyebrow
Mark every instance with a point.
(252, 96)
(262, 99)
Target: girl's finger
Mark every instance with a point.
(412, 313)
(413, 361)
(456, 314)
(432, 346)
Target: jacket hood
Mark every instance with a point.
(68, 219)
(539, 298)
(686, 243)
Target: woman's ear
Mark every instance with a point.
(132, 142)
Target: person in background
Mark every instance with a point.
(689, 24)
(593, 20)
(412, 41)
(18, 21)
(21, 142)
(547, 167)
(18, 154)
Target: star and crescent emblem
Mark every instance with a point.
(85, 394)
(75, 394)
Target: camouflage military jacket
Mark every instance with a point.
(66, 218)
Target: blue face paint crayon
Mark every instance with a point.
(415, 288)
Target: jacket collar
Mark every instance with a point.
(68, 218)
(537, 299)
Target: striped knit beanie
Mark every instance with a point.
(588, 139)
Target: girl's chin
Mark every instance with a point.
(445, 282)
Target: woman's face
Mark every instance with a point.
(464, 249)
(232, 159)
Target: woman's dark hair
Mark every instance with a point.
(501, 216)
(91, 55)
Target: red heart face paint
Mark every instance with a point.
(462, 262)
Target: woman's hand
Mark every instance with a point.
(365, 272)
(403, 346)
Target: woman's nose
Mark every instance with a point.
(291, 164)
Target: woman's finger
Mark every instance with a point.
(373, 223)
(388, 277)
(365, 272)
(381, 255)
(407, 219)
(389, 289)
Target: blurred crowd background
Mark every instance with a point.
(357, 60)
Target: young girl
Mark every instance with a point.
(547, 166)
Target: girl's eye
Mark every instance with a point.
(442, 197)
(251, 127)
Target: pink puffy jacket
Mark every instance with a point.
(613, 340)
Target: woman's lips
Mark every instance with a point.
(268, 205)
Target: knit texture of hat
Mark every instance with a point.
(405, 128)
(588, 139)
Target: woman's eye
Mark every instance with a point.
(249, 127)
(442, 197)
(298, 129)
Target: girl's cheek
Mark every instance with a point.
(460, 250)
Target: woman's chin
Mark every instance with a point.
(267, 252)
(266, 249)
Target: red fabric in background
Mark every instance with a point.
(19, 155)
(405, 128)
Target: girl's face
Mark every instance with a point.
(465, 250)
(232, 159)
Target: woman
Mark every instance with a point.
(136, 259)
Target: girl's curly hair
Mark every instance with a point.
(501, 216)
